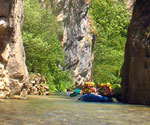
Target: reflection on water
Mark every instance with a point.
(63, 110)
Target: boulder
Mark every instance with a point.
(38, 85)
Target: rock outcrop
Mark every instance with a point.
(136, 68)
(37, 85)
(129, 4)
(78, 37)
(13, 71)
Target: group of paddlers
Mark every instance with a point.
(102, 90)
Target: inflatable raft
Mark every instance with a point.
(95, 98)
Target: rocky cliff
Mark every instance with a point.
(136, 68)
(78, 37)
(129, 4)
(13, 71)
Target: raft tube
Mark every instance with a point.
(95, 98)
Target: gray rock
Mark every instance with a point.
(78, 37)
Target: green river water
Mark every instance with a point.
(63, 110)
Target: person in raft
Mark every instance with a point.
(89, 88)
(90, 94)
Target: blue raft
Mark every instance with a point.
(95, 98)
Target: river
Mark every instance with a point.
(63, 110)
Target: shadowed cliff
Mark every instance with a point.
(136, 68)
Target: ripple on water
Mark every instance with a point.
(63, 110)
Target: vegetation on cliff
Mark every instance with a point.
(111, 20)
(44, 53)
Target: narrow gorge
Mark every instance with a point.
(77, 40)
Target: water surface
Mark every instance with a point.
(63, 110)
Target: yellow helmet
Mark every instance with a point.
(86, 83)
(102, 84)
(93, 83)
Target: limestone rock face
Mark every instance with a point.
(129, 4)
(78, 37)
(13, 71)
(136, 68)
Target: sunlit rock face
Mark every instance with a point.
(136, 68)
(78, 37)
(129, 4)
(13, 71)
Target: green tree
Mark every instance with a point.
(111, 20)
(43, 49)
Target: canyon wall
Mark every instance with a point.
(129, 4)
(13, 71)
(78, 37)
(136, 68)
